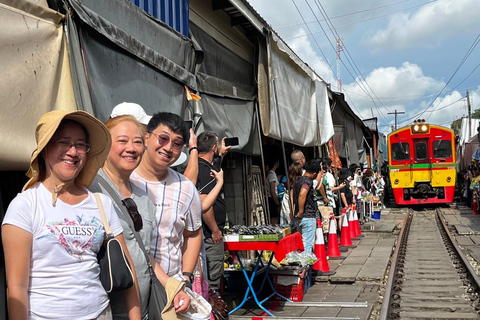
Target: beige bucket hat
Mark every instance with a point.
(100, 141)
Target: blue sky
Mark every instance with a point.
(398, 54)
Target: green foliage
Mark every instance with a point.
(456, 125)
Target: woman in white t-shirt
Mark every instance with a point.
(52, 231)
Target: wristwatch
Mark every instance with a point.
(189, 275)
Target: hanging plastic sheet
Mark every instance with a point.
(35, 76)
(226, 85)
(295, 106)
(131, 57)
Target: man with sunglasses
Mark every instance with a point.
(177, 238)
(214, 217)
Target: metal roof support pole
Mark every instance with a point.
(257, 116)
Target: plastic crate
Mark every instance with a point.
(293, 292)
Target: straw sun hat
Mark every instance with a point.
(99, 139)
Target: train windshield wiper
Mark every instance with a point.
(439, 143)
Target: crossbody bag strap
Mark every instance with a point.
(102, 214)
(118, 202)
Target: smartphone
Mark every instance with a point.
(189, 123)
(231, 142)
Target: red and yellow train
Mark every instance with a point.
(422, 164)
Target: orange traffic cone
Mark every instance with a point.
(351, 224)
(320, 252)
(345, 240)
(356, 222)
(333, 250)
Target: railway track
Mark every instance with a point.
(429, 276)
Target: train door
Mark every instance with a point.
(421, 160)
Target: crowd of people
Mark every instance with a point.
(318, 189)
(173, 222)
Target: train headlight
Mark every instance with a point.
(416, 127)
(449, 179)
(424, 128)
(396, 181)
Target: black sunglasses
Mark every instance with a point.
(133, 211)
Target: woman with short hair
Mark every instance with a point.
(113, 179)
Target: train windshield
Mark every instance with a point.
(421, 151)
(400, 151)
(442, 149)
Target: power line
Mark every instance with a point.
(463, 79)
(470, 50)
(347, 14)
(448, 105)
(323, 55)
(349, 59)
(353, 23)
(324, 33)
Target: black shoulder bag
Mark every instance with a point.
(115, 271)
(158, 295)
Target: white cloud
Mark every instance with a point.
(429, 25)
(447, 109)
(398, 89)
(391, 84)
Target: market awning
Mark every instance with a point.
(35, 76)
(293, 99)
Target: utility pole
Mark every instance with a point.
(469, 117)
(395, 113)
(339, 61)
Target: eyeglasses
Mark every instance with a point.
(133, 211)
(163, 140)
(65, 145)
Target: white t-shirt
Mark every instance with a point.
(64, 272)
(178, 207)
(271, 176)
(330, 179)
(331, 184)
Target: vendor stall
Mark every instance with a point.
(279, 249)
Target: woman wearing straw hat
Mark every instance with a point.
(53, 231)
(114, 179)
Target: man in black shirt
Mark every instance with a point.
(306, 210)
(213, 216)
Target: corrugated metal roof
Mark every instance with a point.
(175, 13)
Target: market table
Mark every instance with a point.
(279, 248)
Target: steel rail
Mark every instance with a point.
(471, 272)
(393, 268)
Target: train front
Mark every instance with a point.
(422, 164)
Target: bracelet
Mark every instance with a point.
(189, 275)
(192, 148)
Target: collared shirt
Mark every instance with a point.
(178, 207)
